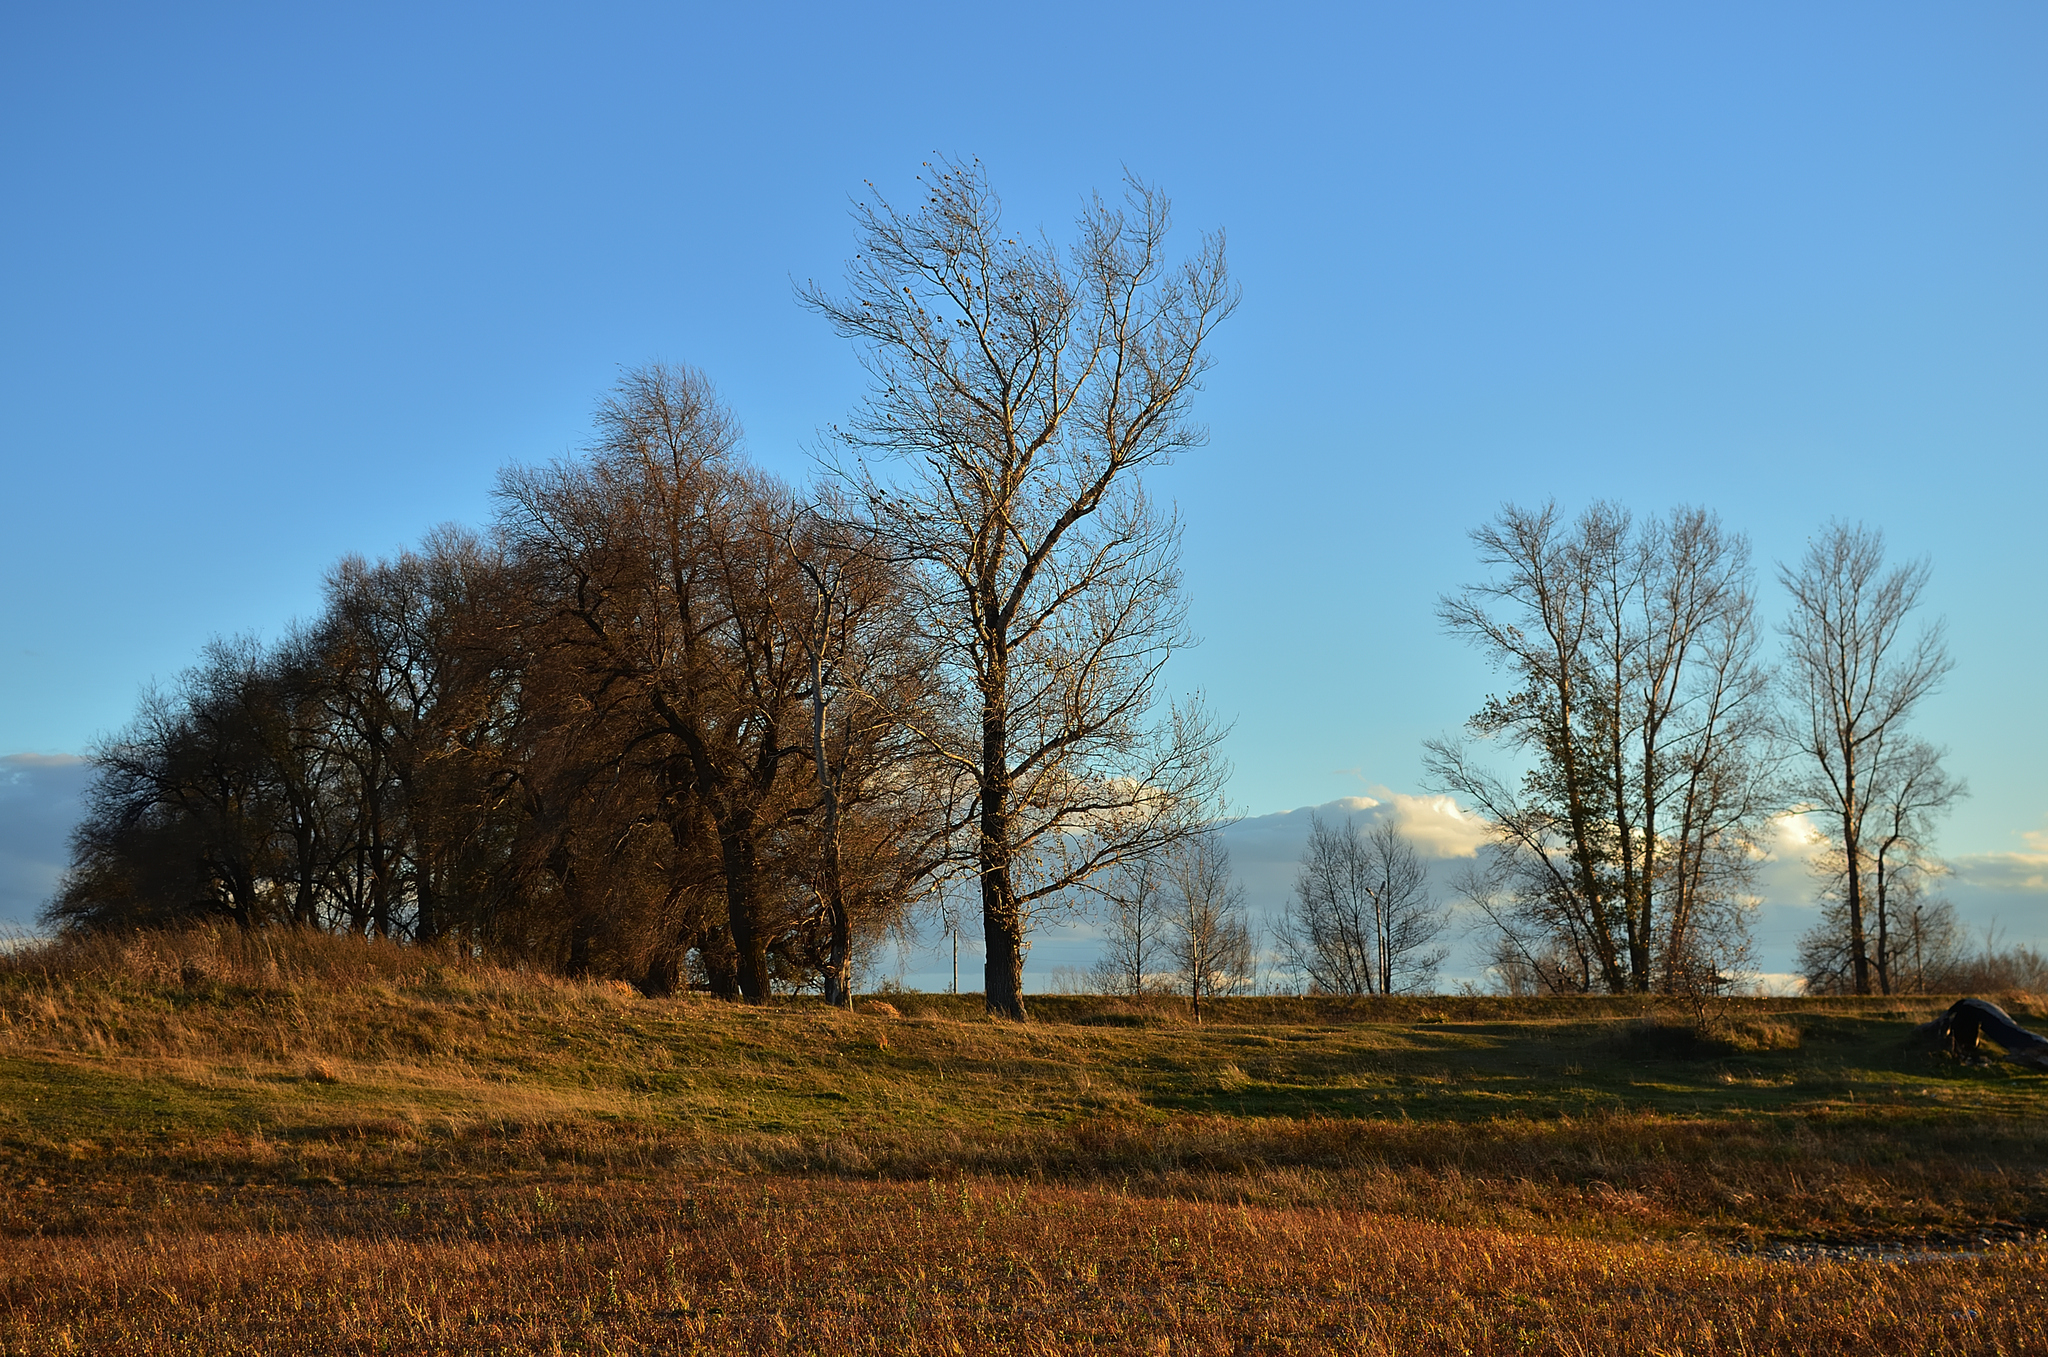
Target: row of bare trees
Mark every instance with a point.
(653, 726)
(671, 719)
(339, 779)
(1656, 743)
(1363, 920)
(1176, 924)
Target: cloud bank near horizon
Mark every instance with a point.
(41, 798)
(1998, 895)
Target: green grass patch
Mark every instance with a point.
(1776, 1119)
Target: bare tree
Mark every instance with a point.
(179, 821)
(1209, 938)
(1910, 790)
(1135, 944)
(1854, 679)
(668, 583)
(1020, 392)
(1406, 919)
(1907, 790)
(1522, 965)
(1926, 939)
(869, 691)
(1327, 934)
(1622, 855)
(1363, 919)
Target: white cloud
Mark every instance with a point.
(1795, 836)
(2003, 871)
(2037, 839)
(1439, 827)
(13, 765)
(2024, 871)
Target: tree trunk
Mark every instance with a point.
(1600, 920)
(1884, 932)
(1642, 931)
(742, 882)
(1002, 924)
(714, 950)
(1635, 903)
(839, 957)
(1859, 955)
(664, 973)
(582, 940)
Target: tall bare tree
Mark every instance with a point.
(1854, 677)
(1906, 791)
(1019, 391)
(1363, 919)
(1621, 856)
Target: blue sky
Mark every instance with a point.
(278, 285)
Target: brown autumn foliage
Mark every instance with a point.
(651, 728)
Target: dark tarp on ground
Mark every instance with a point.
(1969, 1019)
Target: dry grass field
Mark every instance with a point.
(282, 1144)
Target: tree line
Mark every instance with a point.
(673, 720)
(670, 719)
(1658, 744)
(1362, 920)
(652, 725)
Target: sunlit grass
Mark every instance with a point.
(266, 1128)
(957, 1266)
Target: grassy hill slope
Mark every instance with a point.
(309, 1060)
(287, 1144)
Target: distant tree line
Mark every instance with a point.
(1176, 924)
(1926, 951)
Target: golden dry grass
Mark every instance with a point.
(812, 1266)
(287, 1144)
